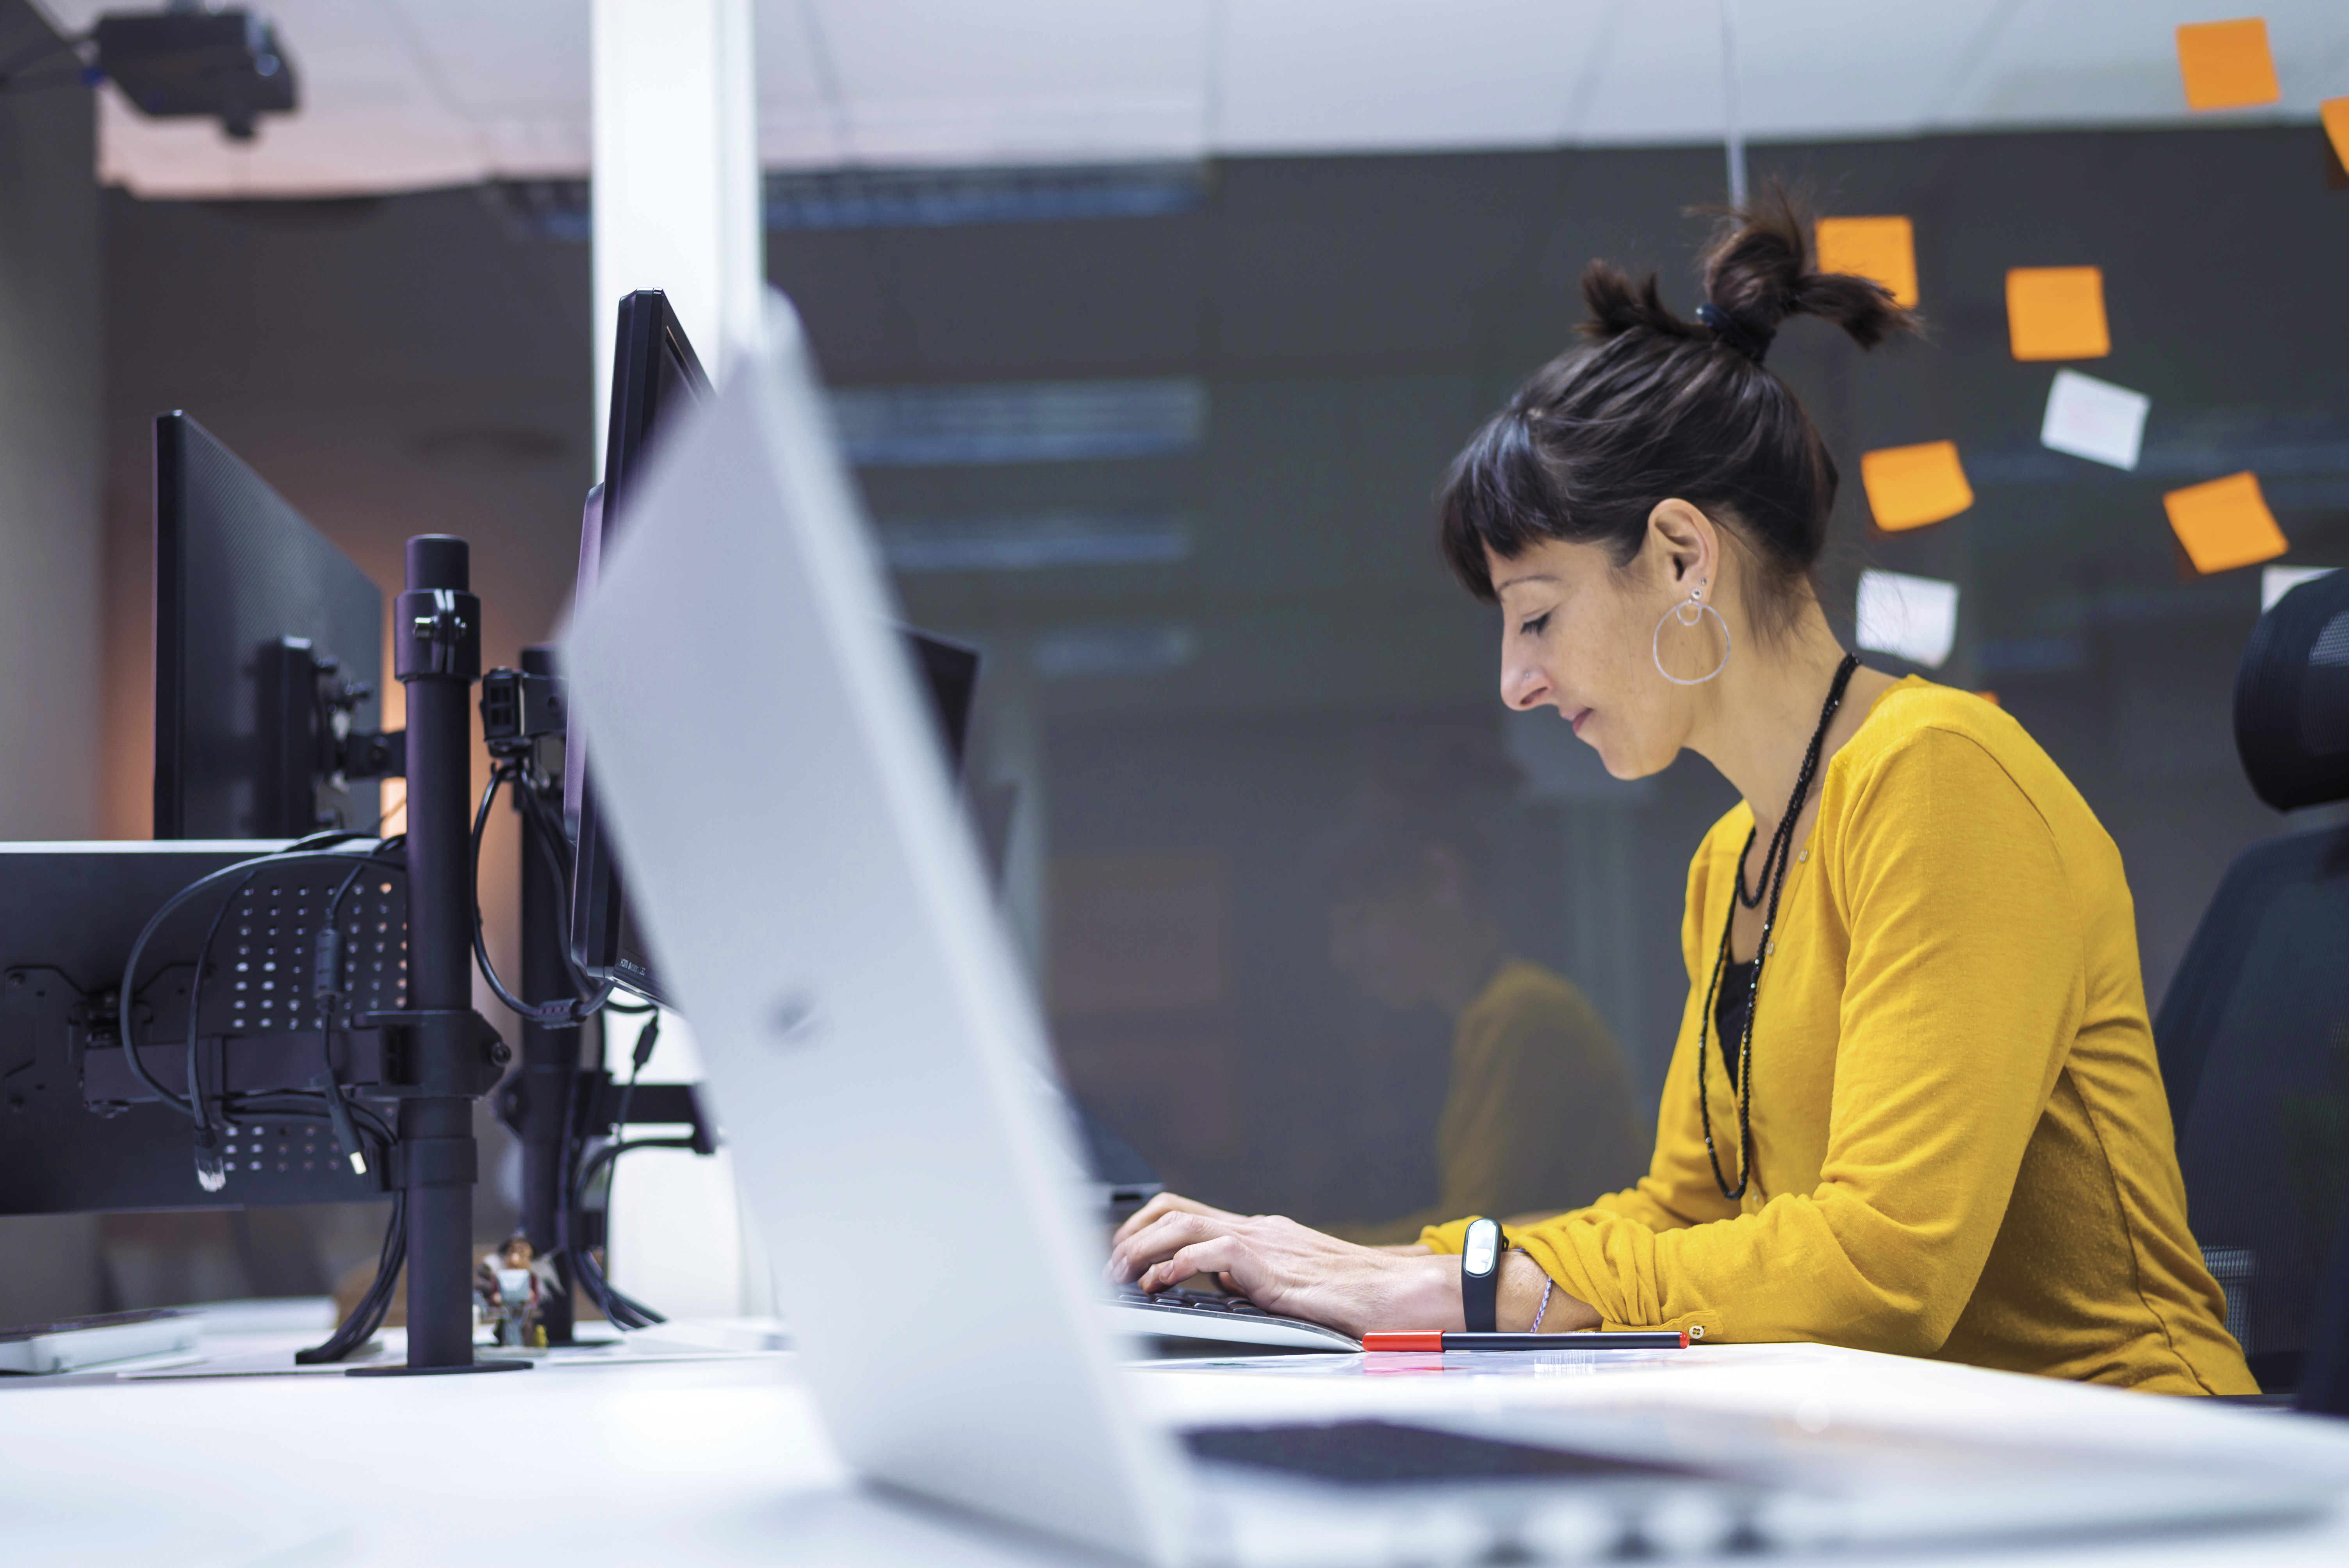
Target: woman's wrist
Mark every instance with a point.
(1522, 1285)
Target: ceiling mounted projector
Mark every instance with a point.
(189, 63)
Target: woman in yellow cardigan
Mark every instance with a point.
(1914, 1106)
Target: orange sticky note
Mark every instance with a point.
(2334, 113)
(1884, 249)
(2057, 313)
(2225, 523)
(1910, 487)
(2227, 64)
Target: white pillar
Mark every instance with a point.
(677, 174)
(677, 208)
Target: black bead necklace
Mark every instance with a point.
(1773, 880)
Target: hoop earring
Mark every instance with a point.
(1681, 615)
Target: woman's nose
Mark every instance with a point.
(1524, 686)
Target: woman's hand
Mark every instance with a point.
(1285, 1267)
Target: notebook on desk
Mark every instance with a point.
(874, 1049)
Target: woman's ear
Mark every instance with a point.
(1685, 545)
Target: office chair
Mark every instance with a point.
(2253, 1035)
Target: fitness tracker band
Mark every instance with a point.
(1480, 1277)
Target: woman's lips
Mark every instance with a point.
(1576, 717)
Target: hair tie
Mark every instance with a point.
(1734, 333)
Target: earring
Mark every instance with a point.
(1689, 614)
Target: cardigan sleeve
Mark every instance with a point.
(1963, 987)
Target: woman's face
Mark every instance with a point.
(1576, 635)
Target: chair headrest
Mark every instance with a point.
(2291, 697)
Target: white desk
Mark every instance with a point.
(725, 1462)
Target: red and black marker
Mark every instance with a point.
(1674, 1339)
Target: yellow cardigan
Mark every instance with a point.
(1961, 1145)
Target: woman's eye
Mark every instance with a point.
(1532, 628)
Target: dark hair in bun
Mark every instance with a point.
(1657, 407)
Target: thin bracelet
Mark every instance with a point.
(1548, 1285)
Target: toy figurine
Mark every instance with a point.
(510, 1283)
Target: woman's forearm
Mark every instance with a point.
(1522, 1284)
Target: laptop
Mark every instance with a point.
(781, 810)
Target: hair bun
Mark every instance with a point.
(1618, 305)
(1758, 268)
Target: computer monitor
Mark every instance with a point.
(654, 376)
(268, 656)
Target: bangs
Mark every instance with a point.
(1500, 497)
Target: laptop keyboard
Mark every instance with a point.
(1382, 1453)
(1194, 1300)
(1205, 1314)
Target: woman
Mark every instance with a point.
(1914, 1106)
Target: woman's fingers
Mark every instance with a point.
(1161, 1239)
(1166, 1238)
(1160, 1205)
(1222, 1255)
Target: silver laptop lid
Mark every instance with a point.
(784, 818)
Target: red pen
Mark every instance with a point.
(1674, 1339)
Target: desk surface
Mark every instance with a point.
(725, 1462)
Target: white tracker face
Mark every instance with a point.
(1484, 1241)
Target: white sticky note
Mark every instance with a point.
(2275, 582)
(1913, 618)
(2094, 419)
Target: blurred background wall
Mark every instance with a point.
(1185, 510)
(1158, 429)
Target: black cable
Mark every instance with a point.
(545, 1015)
(616, 1306)
(368, 1312)
(554, 854)
(127, 997)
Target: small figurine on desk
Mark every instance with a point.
(509, 1283)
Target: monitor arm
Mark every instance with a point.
(314, 746)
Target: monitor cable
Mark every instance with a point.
(559, 1015)
(623, 1311)
(197, 1103)
(554, 855)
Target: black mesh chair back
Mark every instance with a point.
(2254, 1033)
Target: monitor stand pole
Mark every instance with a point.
(446, 1054)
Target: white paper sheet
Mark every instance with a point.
(1913, 618)
(2095, 419)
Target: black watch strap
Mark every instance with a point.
(1480, 1277)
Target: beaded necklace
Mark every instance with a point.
(1773, 880)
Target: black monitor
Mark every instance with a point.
(656, 375)
(268, 656)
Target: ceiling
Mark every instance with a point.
(412, 93)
